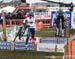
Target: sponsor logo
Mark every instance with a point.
(5, 45)
(22, 46)
(53, 40)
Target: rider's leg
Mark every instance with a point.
(57, 31)
(32, 30)
(15, 37)
(20, 36)
(28, 36)
(62, 32)
(63, 28)
(32, 39)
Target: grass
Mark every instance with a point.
(72, 32)
(27, 55)
(46, 32)
(49, 32)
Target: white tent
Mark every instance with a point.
(65, 1)
(7, 9)
(6, 1)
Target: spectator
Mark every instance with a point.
(9, 15)
(19, 15)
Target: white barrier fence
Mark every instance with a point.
(45, 47)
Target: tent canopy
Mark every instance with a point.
(7, 9)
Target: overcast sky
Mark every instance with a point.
(33, 1)
(65, 1)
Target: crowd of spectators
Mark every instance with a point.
(11, 16)
(18, 15)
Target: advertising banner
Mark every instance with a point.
(22, 46)
(46, 47)
(5, 45)
(48, 40)
(19, 46)
(73, 20)
(42, 15)
(67, 15)
(53, 40)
